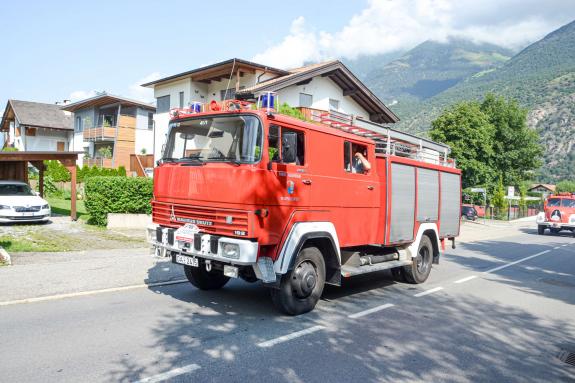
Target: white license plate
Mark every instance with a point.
(188, 261)
(28, 214)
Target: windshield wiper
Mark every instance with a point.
(227, 159)
(166, 159)
(194, 160)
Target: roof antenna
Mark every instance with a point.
(229, 81)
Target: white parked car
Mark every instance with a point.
(19, 203)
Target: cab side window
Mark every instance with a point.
(274, 144)
(355, 158)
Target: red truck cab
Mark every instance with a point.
(558, 214)
(258, 195)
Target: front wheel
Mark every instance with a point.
(555, 231)
(301, 287)
(205, 280)
(540, 229)
(420, 268)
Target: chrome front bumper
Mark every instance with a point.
(556, 225)
(165, 244)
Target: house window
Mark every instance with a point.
(227, 94)
(351, 163)
(181, 99)
(163, 104)
(79, 124)
(274, 144)
(150, 120)
(305, 100)
(30, 131)
(333, 104)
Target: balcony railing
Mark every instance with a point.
(98, 162)
(100, 133)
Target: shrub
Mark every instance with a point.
(56, 171)
(117, 195)
(9, 149)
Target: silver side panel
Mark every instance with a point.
(450, 204)
(402, 202)
(427, 195)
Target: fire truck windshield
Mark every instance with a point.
(236, 139)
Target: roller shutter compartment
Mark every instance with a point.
(450, 205)
(427, 195)
(402, 202)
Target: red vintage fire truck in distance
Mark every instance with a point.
(254, 194)
(558, 214)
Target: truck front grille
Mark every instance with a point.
(225, 222)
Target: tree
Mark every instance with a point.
(498, 199)
(516, 148)
(565, 186)
(489, 139)
(466, 129)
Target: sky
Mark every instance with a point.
(56, 50)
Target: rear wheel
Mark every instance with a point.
(205, 280)
(420, 268)
(301, 287)
(555, 231)
(540, 229)
(398, 274)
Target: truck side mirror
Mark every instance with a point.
(289, 147)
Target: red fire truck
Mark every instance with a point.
(249, 193)
(558, 214)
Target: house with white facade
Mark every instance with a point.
(111, 130)
(323, 87)
(36, 126)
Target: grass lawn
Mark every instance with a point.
(62, 206)
(33, 242)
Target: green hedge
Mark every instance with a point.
(58, 173)
(117, 195)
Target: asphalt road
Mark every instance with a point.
(492, 311)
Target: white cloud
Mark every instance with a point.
(78, 95)
(140, 93)
(389, 25)
(134, 91)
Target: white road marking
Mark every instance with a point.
(556, 247)
(427, 292)
(565, 245)
(293, 335)
(370, 311)
(91, 292)
(466, 279)
(169, 374)
(515, 262)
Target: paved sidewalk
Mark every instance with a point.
(45, 274)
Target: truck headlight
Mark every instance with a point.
(540, 217)
(230, 250)
(572, 218)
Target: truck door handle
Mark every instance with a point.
(306, 182)
(370, 187)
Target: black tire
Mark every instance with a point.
(205, 280)
(301, 287)
(540, 229)
(555, 231)
(398, 274)
(420, 267)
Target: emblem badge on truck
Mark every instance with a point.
(290, 187)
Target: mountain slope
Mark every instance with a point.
(542, 78)
(429, 69)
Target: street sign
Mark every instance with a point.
(478, 190)
(510, 191)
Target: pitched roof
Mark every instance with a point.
(549, 187)
(105, 99)
(36, 114)
(226, 66)
(338, 73)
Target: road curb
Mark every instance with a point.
(5, 257)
